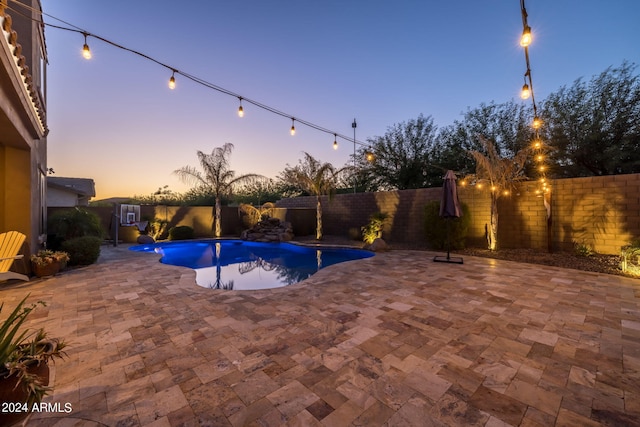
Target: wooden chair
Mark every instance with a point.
(10, 245)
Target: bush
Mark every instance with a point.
(83, 250)
(181, 232)
(373, 230)
(71, 223)
(436, 227)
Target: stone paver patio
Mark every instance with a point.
(393, 340)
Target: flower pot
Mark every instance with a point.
(17, 397)
(47, 269)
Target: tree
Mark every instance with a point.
(594, 127)
(506, 124)
(500, 174)
(315, 178)
(215, 178)
(402, 157)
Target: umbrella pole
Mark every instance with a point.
(456, 260)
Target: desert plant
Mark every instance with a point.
(23, 350)
(250, 215)
(436, 227)
(181, 232)
(582, 249)
(373, 230)
(631, 258)
(83, 250)
(46, 257)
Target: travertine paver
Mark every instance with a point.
(392, 340)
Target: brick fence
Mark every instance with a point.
(602, 212)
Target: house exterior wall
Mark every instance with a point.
(60, 198)
(23, 146)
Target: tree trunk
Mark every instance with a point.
(218, 231)
(318, 219)
(492, 233)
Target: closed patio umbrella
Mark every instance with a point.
(449, 209)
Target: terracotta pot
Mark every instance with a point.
(46, 270)
(16, 397)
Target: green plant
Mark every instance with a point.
(582, 249)
(436, 227)
(70, 223)
(631, 258)
(83, 250)
(46, 257)
(181, 232)
(373, 230)
(22, 350)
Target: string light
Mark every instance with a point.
(526, 38)
(174, 71)
(293, 127)
(526, 92)
(240, 109)
(86, 52)
(335, 142)
(172, 80)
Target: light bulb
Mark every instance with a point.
(537, 122)
(172, 82)
(240, 109)
(526, 92)
(370, 156)
(293, 128)
(526, 38)
(335, 142)
(86, 52)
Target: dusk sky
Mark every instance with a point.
(114, 119)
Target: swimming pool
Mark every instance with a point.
(243, 265)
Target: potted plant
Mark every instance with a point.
(47, 262)
(24, 358)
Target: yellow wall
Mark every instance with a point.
(15, 190)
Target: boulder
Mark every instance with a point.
(145, 239)
(378, 245)
(269, 230)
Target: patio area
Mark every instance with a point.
(394, 340)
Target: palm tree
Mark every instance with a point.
(501, 175)
(216, 177)
(315, 178)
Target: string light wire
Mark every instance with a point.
(73, 28)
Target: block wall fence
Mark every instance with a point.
(603, 212)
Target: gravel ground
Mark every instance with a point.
(608, 264)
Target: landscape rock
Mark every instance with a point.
(144, 239)
(269, 230)
(378, 245)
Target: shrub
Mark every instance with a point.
(83, 250)
(436, 227)
(582, 249)
(373, 230)
(70, 223)
(181, 232)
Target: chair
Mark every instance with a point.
(10, 245)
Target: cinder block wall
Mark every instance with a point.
(602, 212)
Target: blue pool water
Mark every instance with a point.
(242, 265)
